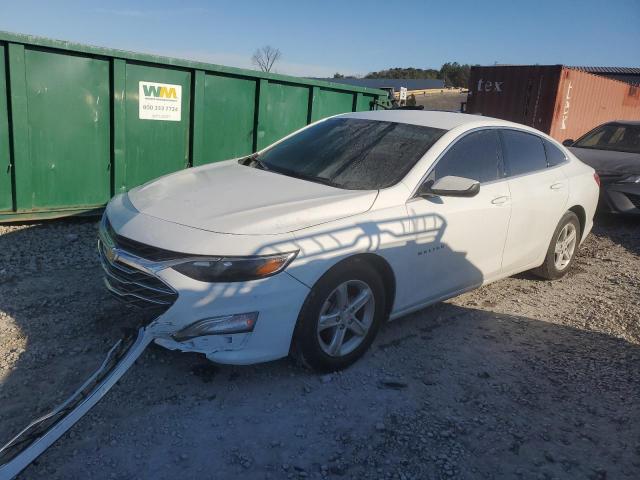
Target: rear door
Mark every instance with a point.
(539, 191)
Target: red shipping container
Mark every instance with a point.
(558, 100)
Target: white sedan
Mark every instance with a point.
(308, 246)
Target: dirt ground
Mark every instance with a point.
(519, 379)
(448, 101)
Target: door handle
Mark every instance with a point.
(557, 186)
(500, 200)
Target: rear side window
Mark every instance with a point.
(523, 152)
(555, 156)
(475, 156)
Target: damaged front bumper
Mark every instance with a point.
(277, 300)
(182, 302)
(40, 434)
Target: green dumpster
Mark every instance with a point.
(79, 124)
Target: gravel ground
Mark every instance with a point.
(519, 379)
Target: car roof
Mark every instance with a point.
(623, 122)
(429, 118)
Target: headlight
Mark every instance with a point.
(235, 269)
(630, 179)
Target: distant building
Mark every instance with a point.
(395, 83)
(625, 74)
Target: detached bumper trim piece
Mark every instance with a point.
(40, 434)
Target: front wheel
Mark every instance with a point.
(340, 317)
(562, 249)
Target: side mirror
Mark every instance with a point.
(450, 186)
(568, 142)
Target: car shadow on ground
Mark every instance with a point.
(621, 229)
(444, 392)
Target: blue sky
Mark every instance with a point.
(318, 38)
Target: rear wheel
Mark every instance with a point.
(340, 317)
(562, 250)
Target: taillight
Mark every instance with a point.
(596, 177)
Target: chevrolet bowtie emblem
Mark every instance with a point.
(111, 254)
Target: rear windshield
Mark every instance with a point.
(351, 153)
(612, 136)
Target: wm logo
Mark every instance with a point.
(159, 92)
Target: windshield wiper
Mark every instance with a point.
(309, 178)
(254, 162)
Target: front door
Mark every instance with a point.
(459, 241)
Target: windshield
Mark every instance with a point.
(351, 153)
(612, 136)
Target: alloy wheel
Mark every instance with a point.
(565, 246)
(346, 317)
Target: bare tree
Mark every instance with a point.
(265, 57)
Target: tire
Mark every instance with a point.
(552, 268)
(314, 341)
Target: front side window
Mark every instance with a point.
(612, 136)
(475, 156)
(523, 152)
(351, 153)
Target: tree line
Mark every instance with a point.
(454, 74)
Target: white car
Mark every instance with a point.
(308, 246)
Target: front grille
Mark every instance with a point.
(134, 286)
(139, 249)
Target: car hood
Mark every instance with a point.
(235, 199)
(608, 162)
